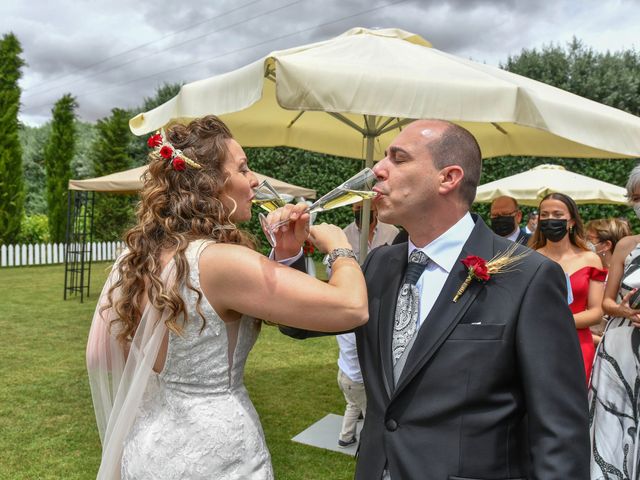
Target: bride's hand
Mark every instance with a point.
(291, 236)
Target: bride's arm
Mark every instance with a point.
(236, 279)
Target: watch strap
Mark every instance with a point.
(339, 252)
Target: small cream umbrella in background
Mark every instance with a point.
(130, 181)
(530, 187)
(350, 95)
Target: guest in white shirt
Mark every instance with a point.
(349, 375)
(379, 233)
(532, 222)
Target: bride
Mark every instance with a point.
(179, 314)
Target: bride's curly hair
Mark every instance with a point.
(175, 208)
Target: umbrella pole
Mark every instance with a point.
(366, 205)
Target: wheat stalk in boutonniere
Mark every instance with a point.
(481, 270)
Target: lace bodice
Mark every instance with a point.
(197, 420)
(209, 360)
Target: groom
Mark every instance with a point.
(490, 386)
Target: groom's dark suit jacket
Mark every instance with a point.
(493, 387)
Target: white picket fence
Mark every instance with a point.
(51, 253)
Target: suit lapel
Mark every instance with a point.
(395, 266)
(446, 314)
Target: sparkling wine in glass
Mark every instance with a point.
(267, 198)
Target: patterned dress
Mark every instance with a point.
(614, 394)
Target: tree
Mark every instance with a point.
(33, 141)
(609, 78)
(57, 161)
(110, 154)
(81, 164)
(11, 177)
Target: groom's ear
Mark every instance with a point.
(450, 179)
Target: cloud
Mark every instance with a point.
(115, 53)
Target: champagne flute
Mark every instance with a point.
(267, 198)
(355, 189)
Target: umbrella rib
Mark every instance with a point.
(386, 122)
(295, 119)
(398, 125)
(499, 128)
(348, 122)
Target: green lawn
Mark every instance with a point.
(47, 427)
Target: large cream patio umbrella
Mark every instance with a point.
(529, 187)
(351, 94)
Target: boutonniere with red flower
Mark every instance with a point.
(480, 270)
(308, 248)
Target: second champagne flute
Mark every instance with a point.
(355, 189)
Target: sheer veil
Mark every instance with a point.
(118, 378)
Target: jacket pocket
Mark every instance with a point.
(468, 331)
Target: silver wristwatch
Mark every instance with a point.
(338, 252)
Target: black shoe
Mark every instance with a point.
(347, 443)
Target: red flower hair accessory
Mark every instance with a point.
(176, 158)
(154, 140)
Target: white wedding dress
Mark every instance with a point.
(195, 419)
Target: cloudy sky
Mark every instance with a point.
(115, 53)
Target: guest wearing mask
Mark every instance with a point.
(532, 222)
(560, 236)
(604, 234)
(505, 219)
(614, 403)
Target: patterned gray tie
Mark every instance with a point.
(406, 318)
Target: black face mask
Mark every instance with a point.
(554, 229)
(503, 225)
(358, 218)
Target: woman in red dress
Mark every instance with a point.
(560, 236)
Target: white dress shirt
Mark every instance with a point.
(514, 235)
(348, 356)
(443, 253)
